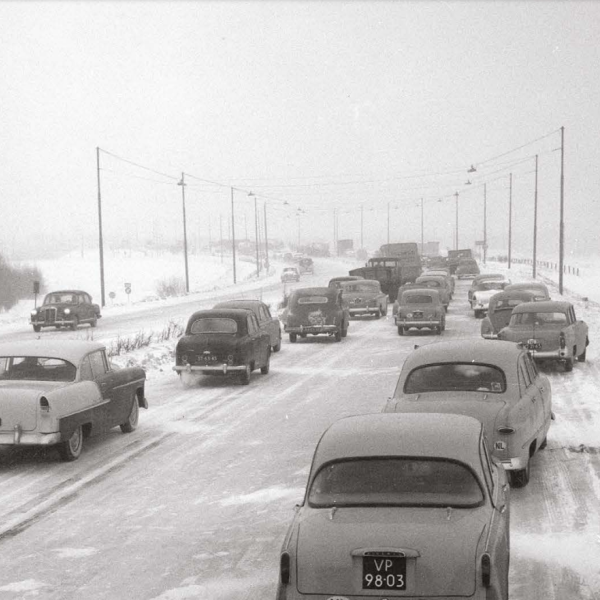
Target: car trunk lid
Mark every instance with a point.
(19, 403)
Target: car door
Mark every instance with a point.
(112, 390)
(542, 383)
(256, 341)
(266, 324)
(532, 416)
(579, 330)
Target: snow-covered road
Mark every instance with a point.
(194, 504)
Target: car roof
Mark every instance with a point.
(346, 278)
(487, 276)
(420, 292)
(544, 306)
(245, 303)
(370, 281)
(67, 292)
(238, 314)
(70, 350)
(316, 291)
(527, 284)
(496, 352)
(524, 295)
(428, 435)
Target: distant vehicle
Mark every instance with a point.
(444, 273)
(57, 393)
(483, 291)
(410, 259)
(288, 257)
(537, 287)
(439, 283)
(305, 265)
(420, 308)
(365, 298)
(290, 274)
(454, 257)
(267, 323)
(400, 506)
(316, 311)
(336, 282)
(550, 331)
(467, 267)
(494, 382)
(221, 341)
(480, 277)
(65, 308)
(500, 309)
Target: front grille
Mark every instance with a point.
(49, 315)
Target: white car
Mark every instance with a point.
(482, 293)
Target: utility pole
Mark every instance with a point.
(362, 245)
(484, 223)
(335, 246)
(535, 203)
(221, 235)
(422, 230)
(256, 235)
(266, 238)
(456, 224)
(233, 235)
(388, 225)
(101, 244)
(561, 250)
(185, 253)
(509, 220)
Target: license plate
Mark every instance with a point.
(533, 345)
(207, 360)
(384, 573)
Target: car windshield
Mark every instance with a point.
(395, 482)
(36, 368)
(214, 325)
(432, 283)
(506, 304)
(312, 300)
(60, 299)
(455, 377)
(361, 287)
(490, 285)
(539, 319)
(416, 299)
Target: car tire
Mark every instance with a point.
(134, 416)
(569, 364)
(245, 375)
(94, 322)
(478, 314)
(345, 331)
(75, 324)
(37, 328)
(70, 449)
(277, 346)
(293, 338)
(544, 443)
(377, 315)
(520, 477)
(581, 357)
(438, 330)
(338, 335)
(265, 369)
(384, 311)
(401, 330)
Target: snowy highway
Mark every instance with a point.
(195, 502)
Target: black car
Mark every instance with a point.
(65, 308)
(220, 342)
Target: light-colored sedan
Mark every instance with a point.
(400, 506)
(365, 297)
(495, 382)
(483, 291)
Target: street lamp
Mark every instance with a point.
(101, 244)
(233, 235)
(256, 234)
(456, 225)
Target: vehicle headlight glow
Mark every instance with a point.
(67, 311)
(34, 313)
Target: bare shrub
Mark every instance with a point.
(173, 286)
(124, 345)
(16, 283)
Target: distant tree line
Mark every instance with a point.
(16, 283)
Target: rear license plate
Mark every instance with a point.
(384, 573)
(533, 345)
(207, 360)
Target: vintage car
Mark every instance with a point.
(482, 292)
(56, 393)
(497, 383)
(336, 282)
(467, 267)
(266, 322)
(66, 308)
(550, 331)
(317, 311)
(500, 309)
(478, 278)
(444, 273)
(290, 274)
(220, 341)
(365, 298)
(540, 289)
(420, 308)
(306, 265)
(401, 290)
(439, 283)
(400, 506)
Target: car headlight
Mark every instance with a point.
(34, 313)
(67, 311)
(409, 315)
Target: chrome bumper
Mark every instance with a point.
(489, 336)
(372, 310)
(514, 464)
(558, 354)
(221, 368)
(413, 323)
(18, 437)
(312, 329)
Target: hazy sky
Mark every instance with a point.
(319, 105)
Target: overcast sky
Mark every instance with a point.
(310, 105)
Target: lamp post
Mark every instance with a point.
(362, 245)
(456, 224)
(509, 219)
(233, 235)
(484, 223)
(422, 230)
(185, 253)
(101, 245)
(266, 239)
(561, 249)
(256, 234)
(388, 224)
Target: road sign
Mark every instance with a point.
(128, 288)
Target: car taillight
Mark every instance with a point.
(184, 358)
(486, 569)
(506, 430)
(562, 341)
(230, 359)
(284, 568)
(44, 404)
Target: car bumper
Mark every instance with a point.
(558, 354)
(17, 437)
(62, 322)
(514, 464)
(289, 592)
(312, 329)
(489, 336)
(414, 323)
(365, 310)
(219, 368)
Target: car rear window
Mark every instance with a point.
(539, 319)
(395, 482)
(416, 299)
(507, 304)
(455, 377)
(313, 300)
(214, 325)
(36, 368)
(361, 287)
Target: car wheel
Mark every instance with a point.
(133, 418)
(520, 478)
(293, 338)
(71, 449)
(94, 322)
(400, 330)
(338, 335)
(544, 443)
(345, 331)
(75, 324)
(383, 311)
(581, 357)
(265, 370)
(245, 376)
(277, 346)
(569, 364)
(478, 314)
(438, 330)
(37, 328)
(377, 315)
